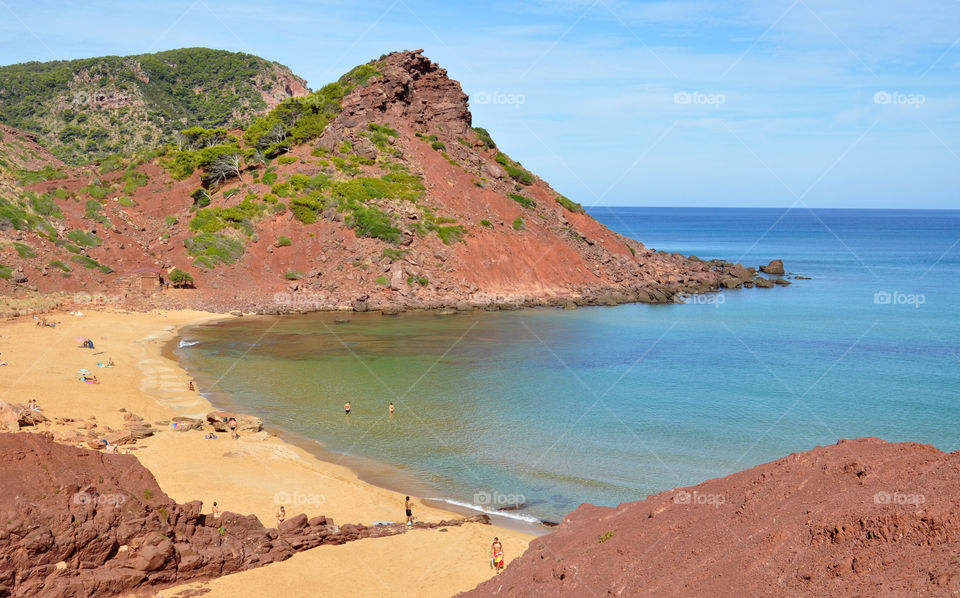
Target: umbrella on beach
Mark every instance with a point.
(83, 371)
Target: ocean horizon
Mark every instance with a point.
(552, 408)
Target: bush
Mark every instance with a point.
(24, 250)
(201, 197)
(287, 159)
(283, 241)
(486, 223)
(484, 136)
(44, 205)
(294, 275)
(394, 255)
(570, 205)
(523, 201)
(59, 264)
(518, 223)
(420, 280)
(383, 280)
(451, 234)
(211, 249)
(170, 220)
(371, 222)
(86, 262)
(84, 238)
(269, 178)
(179, 278)
(439, 146)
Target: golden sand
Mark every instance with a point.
(242, 475)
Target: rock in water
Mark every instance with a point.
(775, 267)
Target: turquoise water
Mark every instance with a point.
(607, 405)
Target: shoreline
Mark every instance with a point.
(247, 475)
(372, 471)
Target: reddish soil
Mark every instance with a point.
(860, 518)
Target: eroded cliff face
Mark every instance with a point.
(481, 231)
(860, 518)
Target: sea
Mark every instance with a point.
(530, 413)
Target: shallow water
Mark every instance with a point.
(607, 405)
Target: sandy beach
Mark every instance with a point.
(249, 475)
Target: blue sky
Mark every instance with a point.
(819, 103)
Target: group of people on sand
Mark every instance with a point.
(42, 322)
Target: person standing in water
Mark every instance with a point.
(408, 505)
(346, 407)
(496, 552)
(390, 408)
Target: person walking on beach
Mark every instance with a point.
(408, 505)
(496, 552)
(232, 424)
(281, 515)
(346, 407)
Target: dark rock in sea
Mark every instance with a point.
(802, 277)
(763, 283)
(775, 267)
(341, 319)
(782, 282)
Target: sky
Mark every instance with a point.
(757, 103)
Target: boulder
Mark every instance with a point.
(245, 423)
(185, 424)
(775, 267)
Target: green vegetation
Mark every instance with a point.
(133, 179)
(484, 136)
(209, 88)
(518, 223)
(213, 249)
(523, 201)
(287, 159)
(126, 202)
(24, 250)
(514, 169)
(293, 275)
(486, 223)
(394, 255)
(606, 536)
(6, 272)
(240, 216)
(179, 278)
(59, 264)
(170, 220)
(570, 205)
(84, 238)
(44, 205)
(269, 178)
(633, 251)
(283, 241)
(383, 280)
(439, 146)
(464, 142)
(89, 262)
(297, 120)
(147, 494)
(420, 280)
(47, 173)
(94, 211)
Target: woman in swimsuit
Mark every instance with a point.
(346, 407)
(497, 551)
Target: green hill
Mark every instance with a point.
(90, 108)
